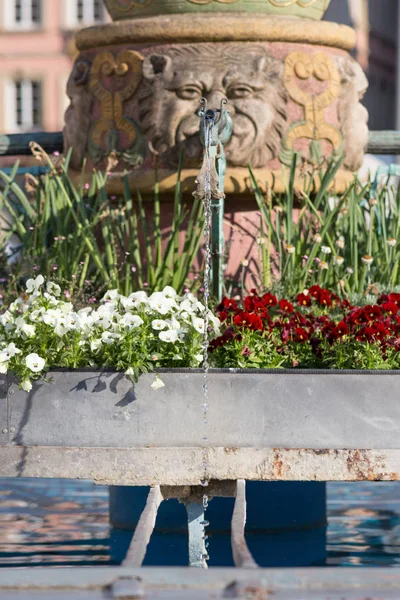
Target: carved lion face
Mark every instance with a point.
(175, 80)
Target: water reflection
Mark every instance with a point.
(57, 522)
(364, 524)
(53, 522)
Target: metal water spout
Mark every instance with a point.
(215, 131)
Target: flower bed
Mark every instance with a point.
(140, 333)
(133, 334)
(317, 330)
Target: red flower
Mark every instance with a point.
(383, 298)
(324, 298)
(381, 331)
(366, 334)
(223, 315)
(248, 303)
(345, 304)
(270, 299)
(286, 306)
(315, 291)
(358, 316)
(227, 304)
(372, 312)
(303, 300)
(395, 298)
(390, 307)
(301, 335)
(340, 330)
(245, 319)
(260, 310)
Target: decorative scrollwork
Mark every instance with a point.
(302, 66)
(106, 132)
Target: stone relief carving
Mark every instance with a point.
(78, 114)
(246, 75)
(113, 80)
(353, 116)
(299, 67)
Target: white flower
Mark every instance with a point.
(9, 352)
(66, 307)
(199, 358)
(129, 320)
(158, 324)
(350, 270)
(134, 300)
(50, 316)
(25, 328)
(391, 242)
(95, 345)
(186, 306)
(169, 292)
(171, 335)
(34, 362)
(317, 238)
(110, 295)
(59, 328)
(199, 324)
(26, 385)
(325, 250)
(3, 368)
(53, 288)
(340, 242)
(16, 305)
(72, 321)
(157, 383)
(214, 321)
(109, 338)
(33, 285)
(36, 315)
(338, 260)
(323, 264)
(129, 372)
(290, 249)
(6, 318)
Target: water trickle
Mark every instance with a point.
(208, 136)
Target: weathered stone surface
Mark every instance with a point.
(283, 97)
(129, 9)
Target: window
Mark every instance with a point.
(24, 105)
(80, 13)
(23, 14)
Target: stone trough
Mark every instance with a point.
(297, 425)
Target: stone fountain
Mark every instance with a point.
(291, 86)
(289, 79)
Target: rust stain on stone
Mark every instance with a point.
(363, 467)
(278, 464)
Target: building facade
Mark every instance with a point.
(36, 54)
(37, 50)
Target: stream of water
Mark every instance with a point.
(208, 135)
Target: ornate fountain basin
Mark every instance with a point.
(262, 425)
(130, 9)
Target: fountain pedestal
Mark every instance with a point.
(292, 87)
(286, 526)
